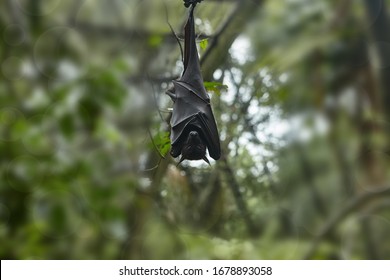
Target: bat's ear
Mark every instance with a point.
(206, 160)
(181, 160)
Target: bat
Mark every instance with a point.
(193, 127)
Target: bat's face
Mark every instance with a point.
(194, 147)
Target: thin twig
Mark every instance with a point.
(173, 31)
(154, 144)
(152, 168)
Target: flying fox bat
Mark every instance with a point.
(193, 127)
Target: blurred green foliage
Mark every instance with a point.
(299, 91)
(215, 87)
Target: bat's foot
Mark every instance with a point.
(188, 3)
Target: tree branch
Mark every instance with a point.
(241, 205)
(225, 36)
(354, 204)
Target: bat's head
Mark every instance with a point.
(193, 148)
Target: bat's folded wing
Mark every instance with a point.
(192, 109)
(209, 129)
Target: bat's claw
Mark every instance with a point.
(188, 3)
(180, 161)
(206, 160)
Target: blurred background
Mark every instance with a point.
(301, 94)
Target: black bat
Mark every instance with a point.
(193, 127)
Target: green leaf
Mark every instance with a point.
(215, 87)
(155, 41)
(162, 142)
(203, 44)
(121, 65)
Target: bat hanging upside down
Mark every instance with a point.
(193, 127)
